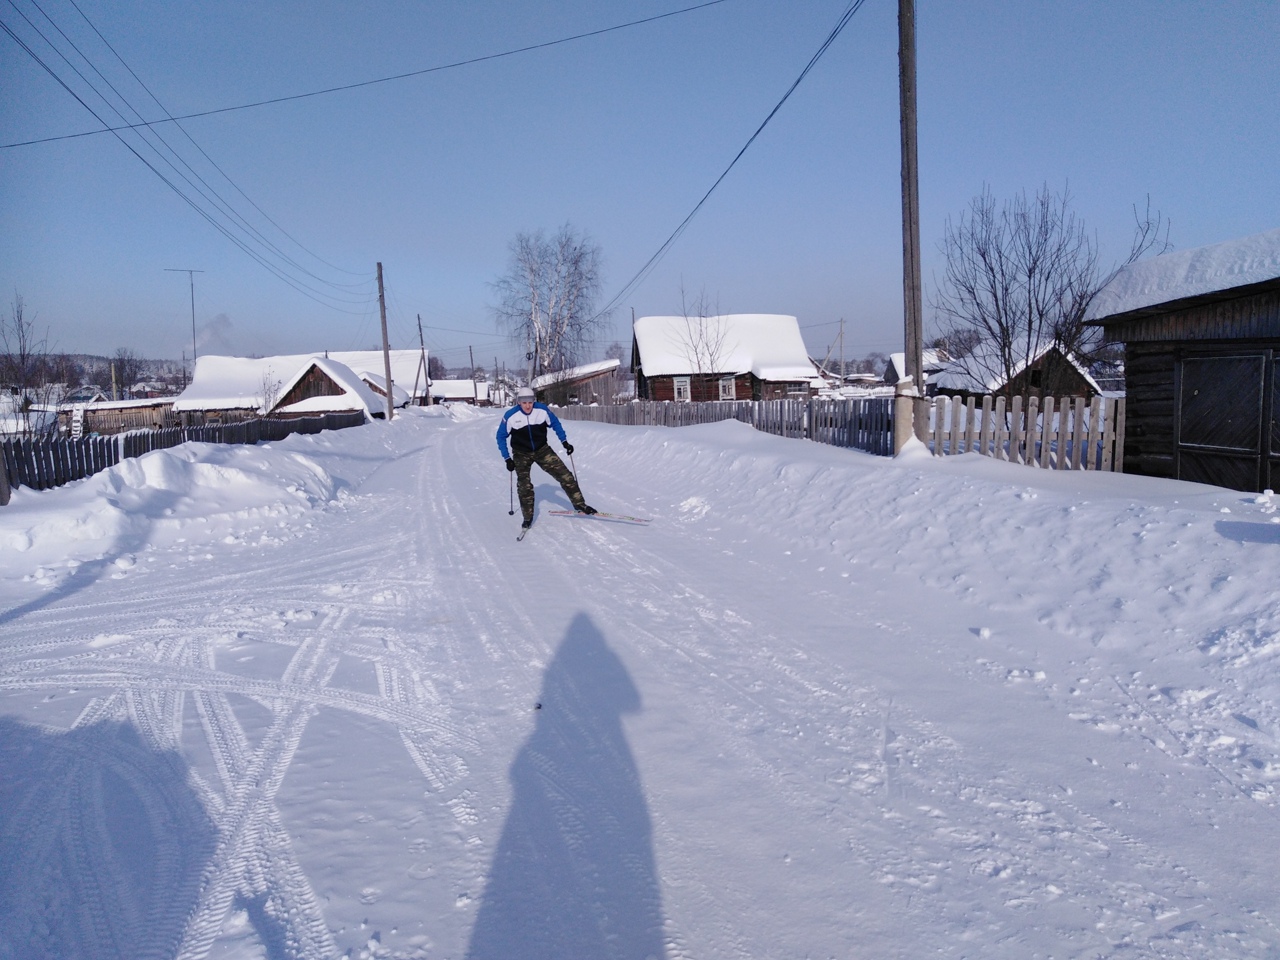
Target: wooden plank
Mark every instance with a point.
(957, 426)
(1046, 434)
(1016, 431)
(984, 439)
(1000, 431)
(1093, 434)
(1033, 431)
(968, 425)
(1108, 433)
(1121, 421)
(1077, 434)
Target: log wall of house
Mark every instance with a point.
(1149, 433)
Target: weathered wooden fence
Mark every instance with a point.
(866, 423)
(41, 463)
(1066, 433)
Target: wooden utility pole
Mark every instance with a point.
(911, 293)
(386, 347)
(423, 368)
(475, 391)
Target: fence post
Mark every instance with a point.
(1033, 430)
(6, 492)
(1016, 431)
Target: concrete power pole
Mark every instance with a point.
(386, 347)
(909, 395)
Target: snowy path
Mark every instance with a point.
(313, 700)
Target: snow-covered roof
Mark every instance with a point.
(580, 372)
(1189, 273)
(767, 345)
(240, 383)
(460, 389)
(399, 395)
(982, 371)
(355, 395)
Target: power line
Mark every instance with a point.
(369, 83)
(219, 204)
(653, 261)
(215, 165)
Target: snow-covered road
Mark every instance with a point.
(311, 699)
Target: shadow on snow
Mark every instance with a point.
(574, 873)
(102, 843)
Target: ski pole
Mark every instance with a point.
(574, 467)
(511, 512)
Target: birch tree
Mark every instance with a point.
(547, 299)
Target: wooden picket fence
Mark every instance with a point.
(863, 423)
(45, 462)
(1067, 433)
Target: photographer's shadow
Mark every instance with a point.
(574, 873)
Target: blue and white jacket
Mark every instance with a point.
(527, 431)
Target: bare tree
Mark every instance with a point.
(704, 334)
(129, 368)
(1020, 278)
(547, 298)
(24, 365)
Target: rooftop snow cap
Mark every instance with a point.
(525, 393)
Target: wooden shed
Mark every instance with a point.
(1201, 331)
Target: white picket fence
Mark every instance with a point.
(1066, 433)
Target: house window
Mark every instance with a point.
(683, 394)
(728, 388)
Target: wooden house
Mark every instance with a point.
(1201, 333)
(743, 356)
(1046, 370)
(586, 383)
(232, 389)
(324, 385)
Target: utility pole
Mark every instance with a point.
(475, 391)
(386, 347)
(423, 367)
(904, 411)
(191, 276)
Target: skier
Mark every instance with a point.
(525, 425)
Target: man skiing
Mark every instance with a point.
(525, 426)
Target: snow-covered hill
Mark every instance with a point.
(311, 699)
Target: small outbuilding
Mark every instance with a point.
(1201, 332)
(741, 356)
(1047, 370)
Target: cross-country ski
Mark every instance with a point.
(600, 515)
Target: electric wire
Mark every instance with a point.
(215, 165)
(643, 273)
(298, 285)
(216, 200)
(369, 83)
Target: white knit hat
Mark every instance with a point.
(525, 393)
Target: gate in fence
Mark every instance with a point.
(41, 463)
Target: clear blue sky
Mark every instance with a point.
(619, 135)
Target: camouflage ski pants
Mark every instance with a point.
(546, 458)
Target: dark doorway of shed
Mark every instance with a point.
(1224, 402)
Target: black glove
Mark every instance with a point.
(568, 448)
(511, 464)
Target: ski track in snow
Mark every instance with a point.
(882, 822)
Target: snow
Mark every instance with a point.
(767, 345)
(1189, 273)
(310, 699)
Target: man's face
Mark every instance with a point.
(526, 405)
